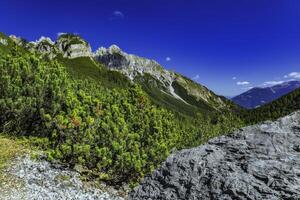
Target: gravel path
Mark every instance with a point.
(39, 180)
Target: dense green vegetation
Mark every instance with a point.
(117, 132)
(157, 95)
(87, 115)
(81, 113)
(83, 68)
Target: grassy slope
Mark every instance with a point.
(84, 67)
(154, 89)
(10, 148)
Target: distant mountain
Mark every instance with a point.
(259, 96)
(165, 88)
(280, 107)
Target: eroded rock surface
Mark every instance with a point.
(73, 46)
(257, 162)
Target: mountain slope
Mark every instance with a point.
(191, 96)
(114, 132)
(278, 108)
(115, 68)
(260, 96)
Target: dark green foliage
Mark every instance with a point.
(115, 132)
(200, 104)
(85, 114)
(5, 49)
(155, 91)
(278, 108)
(85, 67)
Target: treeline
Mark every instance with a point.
(274, 110)
(118, 134)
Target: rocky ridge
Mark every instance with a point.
(73, 46)
(133, 66)
(256, 162)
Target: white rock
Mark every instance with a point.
(3, 41)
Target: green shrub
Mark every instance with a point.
(117, 132)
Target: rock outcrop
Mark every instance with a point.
(73, 46)
(257, 162)
(132, 65)
(3, 42)
(44, 46)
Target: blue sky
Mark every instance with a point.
(228, 46)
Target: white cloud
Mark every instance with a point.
(293, 75)
(242, 83)
(271, 83)
(117, 15)
(168, 59)
(234, 78)
(196, 77)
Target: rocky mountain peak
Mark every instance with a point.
(129, 64)
(73, 46)
(17, 40)
(45, 46)
(44, 39)
(114, 49)
(3, 41)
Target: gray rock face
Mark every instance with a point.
(44, 46)
(16, 39)
(72, 46)
(132, 65)
(257, 162)
(3, 42)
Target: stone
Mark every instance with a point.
(257, 162)
(3, 41)
(73, 46)
(132, 65)
(38, 179)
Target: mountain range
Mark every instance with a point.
(115, 68)
(165, 88)
(258, 96)
(114, 117)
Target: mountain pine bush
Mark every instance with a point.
(115, 132)
(118, 133)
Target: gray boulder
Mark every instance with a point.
(257, 162)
